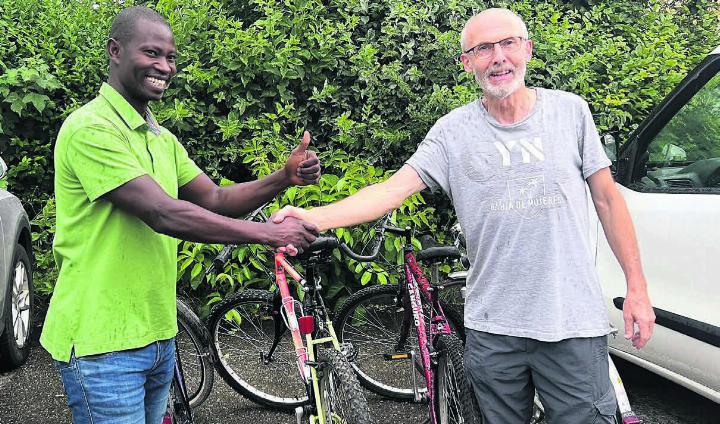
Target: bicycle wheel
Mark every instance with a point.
(341, 397)
(454, 398)
(178, 412)
(243, 329)
(192, 347)
(371, 322)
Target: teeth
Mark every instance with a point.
(156, 82)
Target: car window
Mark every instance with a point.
(685, 155)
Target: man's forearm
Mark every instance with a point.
(620, 234)
(239, 199)
(367, 204)
(187, 221)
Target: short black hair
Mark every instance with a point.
(123, 26)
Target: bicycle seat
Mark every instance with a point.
(439, 252)
(453, 279)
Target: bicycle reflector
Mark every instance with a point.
(306, 324)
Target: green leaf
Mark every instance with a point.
(17, 106)
(38, 100)
(197, 269)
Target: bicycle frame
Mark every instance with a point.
(181, 403)
(417, 287)
(320, 333)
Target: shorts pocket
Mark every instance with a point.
(606, 407)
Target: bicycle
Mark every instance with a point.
(406, 324)
(257, 340)
(193, 374)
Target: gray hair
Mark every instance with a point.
(123, 26)
(466, 28)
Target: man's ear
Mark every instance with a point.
(113, 49)
(529, 49)
(465, 59)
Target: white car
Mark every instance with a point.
(669, 174)
(16, 285)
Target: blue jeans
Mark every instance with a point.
(124, 387)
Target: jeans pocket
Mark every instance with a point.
(60, 365)
(98, 357)
(606, 407)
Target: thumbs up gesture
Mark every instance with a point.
(303, 166)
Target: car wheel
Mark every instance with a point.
(18, 314)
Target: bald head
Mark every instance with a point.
(492, 25)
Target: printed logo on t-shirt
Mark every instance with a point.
(525, 196)
(530, 150)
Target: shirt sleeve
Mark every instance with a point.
(101, 159)
(591, 149)
(187, 170)
(430, 160)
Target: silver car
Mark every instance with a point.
(16, 284)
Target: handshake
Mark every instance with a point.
(289, 230)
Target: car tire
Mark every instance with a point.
(18, 309)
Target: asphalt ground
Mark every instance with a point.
(34, 394)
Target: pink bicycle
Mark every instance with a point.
(261, 338)
(405, 345)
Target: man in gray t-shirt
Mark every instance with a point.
(517, 164)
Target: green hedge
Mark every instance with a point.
(368, 79)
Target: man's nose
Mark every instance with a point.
(163, 65)
(498, 55)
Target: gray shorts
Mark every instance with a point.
(571, 377)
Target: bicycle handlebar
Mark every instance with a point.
(323, 243)
(223, 256)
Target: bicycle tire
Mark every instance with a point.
(241, 329)
(178, 411)
(341, 397)
(193, 347)
(454, 397)
(393, 379)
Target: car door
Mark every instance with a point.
(669, 175)
(4, 250)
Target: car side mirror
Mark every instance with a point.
(611, 150)
(3, 168)
(610, 147)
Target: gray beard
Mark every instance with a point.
(504, 90)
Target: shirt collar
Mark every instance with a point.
(129, 115)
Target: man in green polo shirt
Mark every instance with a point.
(126, 190)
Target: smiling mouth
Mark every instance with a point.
(501, 73)
(157, 82)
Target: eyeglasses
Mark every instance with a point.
(485, 50)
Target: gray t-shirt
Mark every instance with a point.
(520, 195)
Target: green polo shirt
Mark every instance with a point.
(116, 286)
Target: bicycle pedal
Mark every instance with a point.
(299, 414)
(398, 356)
